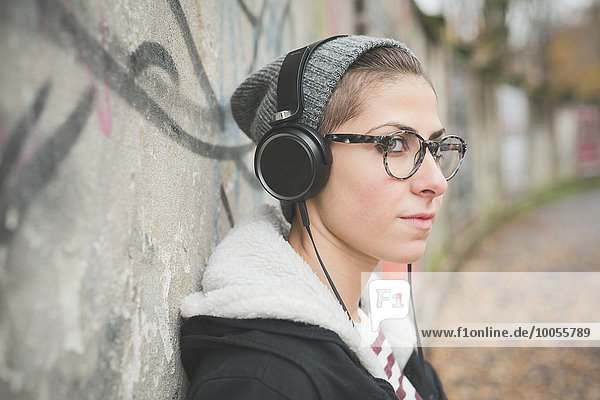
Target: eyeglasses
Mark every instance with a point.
(404, 151)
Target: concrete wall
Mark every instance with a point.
(121, 168)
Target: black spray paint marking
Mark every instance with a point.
(251, 17)
(226, 206)
(196, 62)
(17, 138)
(123, 83)
(42, 168)
(152, 54)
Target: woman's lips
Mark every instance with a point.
(421, 221)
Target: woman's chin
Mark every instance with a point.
(408, 255)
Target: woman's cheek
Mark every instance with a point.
(360, 188)
(372, 200)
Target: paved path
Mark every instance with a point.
(562, 236)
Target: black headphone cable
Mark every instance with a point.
(419, 347)
(306, 223)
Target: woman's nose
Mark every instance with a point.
(429, 179)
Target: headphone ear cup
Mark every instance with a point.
(292, 162)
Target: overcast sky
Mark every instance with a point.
(464, 15)
(434, 7)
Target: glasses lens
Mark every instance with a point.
(402, 154)
(449, 155)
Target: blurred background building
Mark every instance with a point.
(121, 166)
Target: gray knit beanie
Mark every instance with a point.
(254, 102)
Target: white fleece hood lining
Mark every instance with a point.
(255, 273)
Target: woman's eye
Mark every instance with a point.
(397, 144)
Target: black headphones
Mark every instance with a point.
(292, 160)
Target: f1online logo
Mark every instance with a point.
(389, 299)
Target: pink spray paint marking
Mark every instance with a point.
(28, 152)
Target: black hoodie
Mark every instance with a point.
(264, 326)
(272, 359)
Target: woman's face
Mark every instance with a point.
(365, 211)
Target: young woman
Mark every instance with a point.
(279, 307)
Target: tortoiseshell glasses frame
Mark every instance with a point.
(448, 151)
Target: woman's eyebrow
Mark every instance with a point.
(401, 127)
(437, 134)
(397, 125)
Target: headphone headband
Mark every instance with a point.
(292, 160)
(290, 99)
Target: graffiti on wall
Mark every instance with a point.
(107, 70)
(120, 80)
